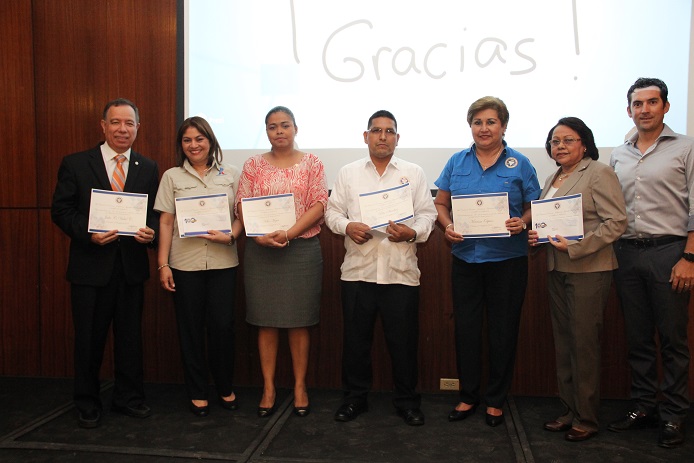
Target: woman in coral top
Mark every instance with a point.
(283, 270)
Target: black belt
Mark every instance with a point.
(652, 242)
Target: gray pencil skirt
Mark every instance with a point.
(283, 285)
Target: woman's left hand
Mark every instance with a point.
(276, 239)
(559, 242)
(515, 225)
(217, 236)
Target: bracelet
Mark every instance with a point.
(162, 266)
(449, 225)
(231, 239)
(286, 236)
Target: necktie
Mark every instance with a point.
(118, 180)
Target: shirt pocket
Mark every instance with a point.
(460, 183)
(186, 188)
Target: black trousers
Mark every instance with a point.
(94, 309)
(398, 306)
(650, 305)
(498, 287)
(204, 302)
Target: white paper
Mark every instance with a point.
(558, 216)
(266, 214)
(378, 207)
(196, 215)
(117, 210)
(481, 215)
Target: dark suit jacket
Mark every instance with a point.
(604, 218)
(91, 264)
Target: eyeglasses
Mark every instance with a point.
(566, 141)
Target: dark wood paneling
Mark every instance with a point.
(20, 323)
(18, 135)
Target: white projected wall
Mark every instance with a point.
(334, 63)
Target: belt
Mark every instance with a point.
(652, 242)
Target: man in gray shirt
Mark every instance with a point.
(655, 167)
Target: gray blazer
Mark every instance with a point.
(604, 219)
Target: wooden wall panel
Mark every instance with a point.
(20, 322)
(18, 136)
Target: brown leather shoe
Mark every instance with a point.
(578, 435)
(556, 426)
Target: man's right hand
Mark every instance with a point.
(359, 232)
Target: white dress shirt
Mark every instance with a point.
(380, 260)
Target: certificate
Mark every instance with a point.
(378, 207)
(481, 215)
(558, 216)
(196, 215)
(117, 210)
(266, 214)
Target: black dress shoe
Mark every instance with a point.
(457, 415)
(578, 435)
(135, 411)
(347, 412)
(412, 416)
(265, 412)
(229, 404)
(493, 420)
(302, 412)
(89, 419)
(671, 434)
(202, 410)
(635, 419)
(556, 426)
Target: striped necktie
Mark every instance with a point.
(118, 179)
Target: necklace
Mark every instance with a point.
(494, 158)
(564, 175)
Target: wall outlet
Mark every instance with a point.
(449, 384)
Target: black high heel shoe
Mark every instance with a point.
(203, 410)
(457, 415)
(264, 412)
(302, 412)
(229, 404)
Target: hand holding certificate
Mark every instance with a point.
(266, 214)
(558, 216)
(117, 210)
(481, 215)
(196, 215)
(380, 207)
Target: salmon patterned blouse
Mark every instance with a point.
(306, 180)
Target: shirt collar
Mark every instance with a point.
(666, 133)
(109, 153)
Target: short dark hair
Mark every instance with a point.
(122, 102)
(643, 82)
(280, 109)
(382, 113)
(584, 133)
(204, 128)
(488, 102)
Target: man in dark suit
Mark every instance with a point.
(107, 270)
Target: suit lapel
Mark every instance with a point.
(96, 164)
(133, 170)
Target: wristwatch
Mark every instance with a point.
(413, 239)
(525, 225)
(688, 256)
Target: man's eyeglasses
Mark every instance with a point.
(565, 141)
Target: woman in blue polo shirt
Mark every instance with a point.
(487, 273)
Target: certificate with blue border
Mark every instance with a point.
(266, 214)
(380, 207)
(481, 215)
(558, 216)
(196, 215)
(117, 210)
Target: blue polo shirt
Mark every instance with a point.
(512, 173)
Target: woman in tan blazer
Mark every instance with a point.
(580, 272)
